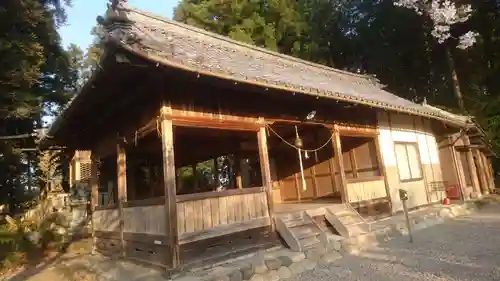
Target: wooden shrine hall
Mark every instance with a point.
(202, 146)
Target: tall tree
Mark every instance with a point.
(35, 74)
(444, 15)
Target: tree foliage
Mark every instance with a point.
(36, 77)
(274, 24)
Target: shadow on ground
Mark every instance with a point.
(78, 264)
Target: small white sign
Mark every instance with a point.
(157, 242)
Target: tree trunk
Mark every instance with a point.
(454, 79)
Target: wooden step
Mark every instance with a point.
(304, 232)
(299, 231)
(296, 223)
(292, 217)
(308, 242)
(347, 221)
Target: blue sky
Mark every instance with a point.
(83, 13)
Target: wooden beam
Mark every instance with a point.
(337, 148)
(267, 181)
(167, 141)
(353, 130)
(121, 169)
(190, 118)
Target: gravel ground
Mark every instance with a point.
(467, 248)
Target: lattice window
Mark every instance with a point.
(85, 171)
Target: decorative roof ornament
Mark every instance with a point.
(116, 12)
(116, 4)
(116, 24)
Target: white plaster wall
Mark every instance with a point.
(408, 129)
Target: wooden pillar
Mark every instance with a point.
(462, 184)
(337, 149)
(266, 171)
(94, 181)
(94, 185)
(472, 167)
(121, 171)
(167, 141)
(383, 171)
(71, 167)
(77, 167)
(483, 172)
(237, 171)
(490, 173)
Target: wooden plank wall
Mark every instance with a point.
(203, 214)
(106, 220)
(145, 219)
(366, 190)
(144, 233)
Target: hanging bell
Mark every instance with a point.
(298, 142)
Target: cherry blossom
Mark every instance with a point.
(444, 14)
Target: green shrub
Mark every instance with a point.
(16, 247)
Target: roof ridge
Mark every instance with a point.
(246, 45)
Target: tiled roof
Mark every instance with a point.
(179, 45)
(171, 43)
